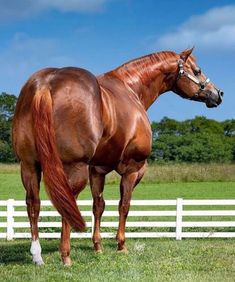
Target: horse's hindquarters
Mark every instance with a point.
(77, 121)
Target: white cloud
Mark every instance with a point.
(213, 30)
(17, 9)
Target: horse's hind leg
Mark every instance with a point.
(31, 176)
(128, 182)
(97, 187)
(77, 175)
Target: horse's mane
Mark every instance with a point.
(139, 68)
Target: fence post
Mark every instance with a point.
(10, 219)
(179, 217)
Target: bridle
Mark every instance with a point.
(201, 84)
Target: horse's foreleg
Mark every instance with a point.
(97, 187)
(31, 176)
(128, 182)
(77, 175)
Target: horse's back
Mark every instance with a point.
(76, 113)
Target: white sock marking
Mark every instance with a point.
(36, 252)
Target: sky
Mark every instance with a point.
(100, 35)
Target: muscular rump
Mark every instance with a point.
(76, 113)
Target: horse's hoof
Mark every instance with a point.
(67, 261)
(100, 251)
(39, 262)
(98, 248)
(124, 250)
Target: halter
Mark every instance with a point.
(201, 84)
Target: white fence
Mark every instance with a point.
(177, 215)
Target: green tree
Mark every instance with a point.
(229, 127)
(196, 140)
(7, 107)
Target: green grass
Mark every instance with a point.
(148, 259)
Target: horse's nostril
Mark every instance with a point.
(221, 93)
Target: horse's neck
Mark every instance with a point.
(148, 77)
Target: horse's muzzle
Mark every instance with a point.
(214, 98)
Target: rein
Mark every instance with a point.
(201, 84)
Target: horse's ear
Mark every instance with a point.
(185, 54)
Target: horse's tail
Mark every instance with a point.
(57, 186)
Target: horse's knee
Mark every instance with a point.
(124, 208)
(98, 205)
(32, 200)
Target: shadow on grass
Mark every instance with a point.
(19, 252)
(111, 244)
(84, 245)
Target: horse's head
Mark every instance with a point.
(193, 84)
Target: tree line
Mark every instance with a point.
(7, 108)
(194, 140)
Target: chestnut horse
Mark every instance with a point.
(71, 125)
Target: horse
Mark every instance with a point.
(73, 126)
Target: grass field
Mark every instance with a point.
(167, 173)
(148, 259)
(160, 182)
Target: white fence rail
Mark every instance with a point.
(177, 215)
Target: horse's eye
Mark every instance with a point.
(197, 71)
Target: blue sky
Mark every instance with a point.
(100, 35)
